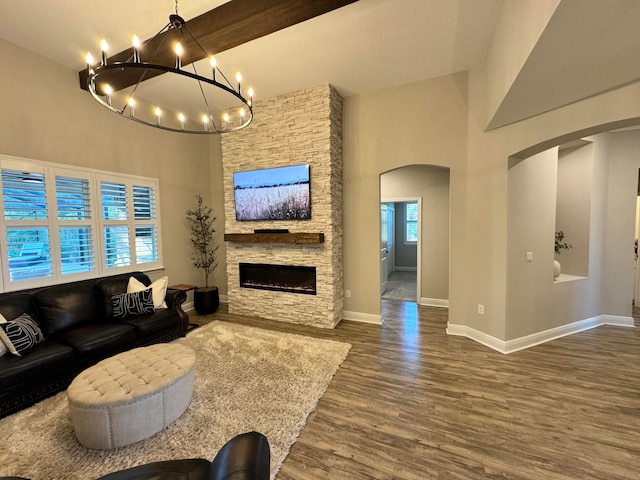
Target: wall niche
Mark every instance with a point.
(573, 205)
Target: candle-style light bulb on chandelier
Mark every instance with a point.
(115, 85)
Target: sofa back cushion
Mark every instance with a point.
(109, 286)
(65, 306)
(12, 305)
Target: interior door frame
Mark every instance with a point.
(418, 200)
(384, 265)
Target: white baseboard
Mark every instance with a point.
(534, 339)
(617, 321)
(362, 317)
(405, 269)
(434, 302)
(476, 335)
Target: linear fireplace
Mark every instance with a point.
(282, 278)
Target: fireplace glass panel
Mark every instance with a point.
(282, 278)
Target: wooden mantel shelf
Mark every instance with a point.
(297, 238)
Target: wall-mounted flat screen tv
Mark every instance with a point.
(281, 193)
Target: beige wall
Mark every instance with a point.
(432, 185)
(531, 218)
(46, 116)
(517, 30)
(535, 302)
(609, 172)
(573, 207)
(434, 122)
(486, 225)
(622, 184)
(417, 124)
(216, 186)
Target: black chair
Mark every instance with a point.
(245, 457)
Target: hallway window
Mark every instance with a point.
(410, 223)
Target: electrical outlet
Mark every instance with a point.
(481, 309)
(529, 257)
(347, 293)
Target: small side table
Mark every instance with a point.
(184, 288)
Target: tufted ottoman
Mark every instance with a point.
(132, 395)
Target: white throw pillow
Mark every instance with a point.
(3, 347)
(158, 290)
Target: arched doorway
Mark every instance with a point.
(418, 196)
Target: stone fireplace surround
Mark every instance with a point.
(303, 127)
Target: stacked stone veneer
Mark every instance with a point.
(304, 127)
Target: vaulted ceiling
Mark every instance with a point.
(588, 46)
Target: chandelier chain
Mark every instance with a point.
(193, 66)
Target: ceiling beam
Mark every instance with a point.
(227, 26)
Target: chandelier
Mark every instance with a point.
(126, 87)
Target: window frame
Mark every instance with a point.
(406, 222)
(95, 224)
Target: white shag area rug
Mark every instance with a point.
(246, 379)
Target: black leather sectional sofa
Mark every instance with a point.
(79, 328)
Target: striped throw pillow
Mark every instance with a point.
(127, 305)
(21, 334)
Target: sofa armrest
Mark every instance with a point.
(245, 457)
(175, 299)
(193, 469)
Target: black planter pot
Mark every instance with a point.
(206, 300)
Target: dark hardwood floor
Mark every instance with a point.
(411, 402)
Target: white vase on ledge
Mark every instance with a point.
(556, 269)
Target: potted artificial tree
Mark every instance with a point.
(205, 299)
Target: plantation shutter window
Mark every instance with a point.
(26, 225)
(61, 223)
(144, 208)
(116, 228)
(77, 248)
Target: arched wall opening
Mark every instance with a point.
(431, 186)
(595, 207)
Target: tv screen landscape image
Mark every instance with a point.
(281, 193)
